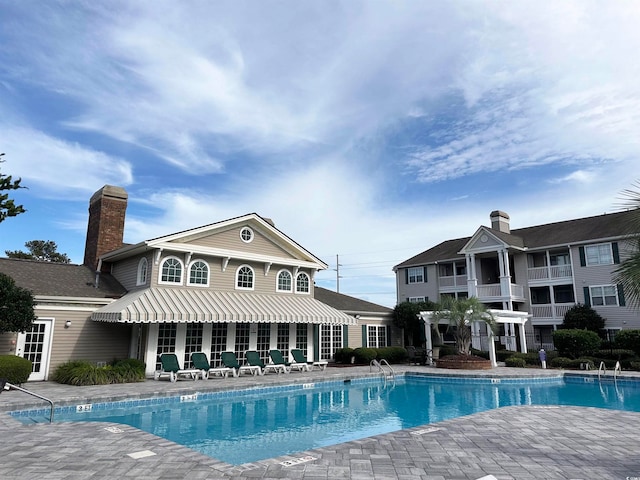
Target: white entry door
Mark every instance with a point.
(34, 345)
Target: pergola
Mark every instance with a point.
(509, 318)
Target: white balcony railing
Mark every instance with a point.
(552, 272)
(453, 281)
(556, 311)
(494, 290)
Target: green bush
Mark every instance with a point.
(392, 354)
(343, 355)
(447, 350)
(560, 362)
(635, 366)
(15, 369)
(629, 340)
(515, 361)
(80, 372)
(365, 355)
(503, 355)
(480, 353)
(575, 343)
(616, 354)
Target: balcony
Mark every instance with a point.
(493, 292)
(452, 283)
(552, 272)
(551, 311)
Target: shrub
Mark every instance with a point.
(15, 369)
(616, 354)
(629, 340)
(447, 350)
(365, 355)
(560, 362)
(583, 317)
(635, 366)
(480, 353)
(515, 361)
(392, 354)
(343, 355)
(575, 343)
(503, 355)
(80, 372)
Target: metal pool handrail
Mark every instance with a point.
(602, 368)
(4, 385)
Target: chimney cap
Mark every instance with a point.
(499, 213)
(109, 191)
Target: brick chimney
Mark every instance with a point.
(105, 229)
(500, 221)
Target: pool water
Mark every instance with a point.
(245, 428)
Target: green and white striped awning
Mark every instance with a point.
(159, 305)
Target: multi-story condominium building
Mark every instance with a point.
(543, 270)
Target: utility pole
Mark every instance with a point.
(337, 269)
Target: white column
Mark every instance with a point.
(523, 338)
(472, 281)
(492, 346)
(427, 335)
(151, 354)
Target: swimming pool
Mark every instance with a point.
(245, 426)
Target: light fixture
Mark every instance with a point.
(67, 324)
(357, 317)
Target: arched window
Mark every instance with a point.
(143, 266)
(246, 234)
(171, 271)
(302, 283)
(284, 281)
(199, 273)
(244, 277)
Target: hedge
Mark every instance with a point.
(80, 372)
(15, 369)
(575, 343)
(365, 355)
(515, 361)
(629, 340)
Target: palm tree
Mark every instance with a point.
(628, 274)
(460, 313)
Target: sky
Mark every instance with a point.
(369, 131)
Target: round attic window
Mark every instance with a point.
(246, 234)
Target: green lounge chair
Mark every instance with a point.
(278, 359)
(201, 362)
(299, 357)
(253, 359)
(171, 368)
(230, 360)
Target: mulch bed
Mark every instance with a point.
(464, 362)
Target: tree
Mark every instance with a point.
(16, 306)
(460, 313)
(405, 316)
(8, 208)
(628, 274)
(583, 317)
(41, 250)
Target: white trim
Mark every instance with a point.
(45, 361)
(616, 295)
(188, 272)
(252, 235)
(278, 281)
(139, 271)
(164, 260)
(43, 299)
(253, 278)
(594, 245)
(308, 292)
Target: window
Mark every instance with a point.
(218, 342)
(599, 254)
(446, 269)
(193, 342)
(166, 340)
(559, 259)
(416, 299)
(376, 336)
(143, 266)
(244, 277)
(171, 271)
(461, 269)
(284, 281)
(563, 294)
(199, 273)
(282, 339)
(415, 275)
(302, 283)
(246, 234)
(330, 340)
(540, 296)
(604, 295)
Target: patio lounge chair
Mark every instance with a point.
(201, 362)
(230, 360)
(299, 357)
(253, 359)
(278, 359)
(171, 368)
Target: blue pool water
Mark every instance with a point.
(270, 422)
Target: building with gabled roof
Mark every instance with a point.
(542, 271)
(239, 284)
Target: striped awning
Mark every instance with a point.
(159, 305)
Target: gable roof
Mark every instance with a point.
(580, 230)
(172, 241)
(346, 303)
(60, 279)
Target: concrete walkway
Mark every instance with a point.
(526, 442)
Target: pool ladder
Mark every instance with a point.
(8, 386)
(602, 370)
(388, 374)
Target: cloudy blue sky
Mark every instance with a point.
(369, 130)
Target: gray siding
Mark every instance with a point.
(126, 271)
(85, 339)
(230, 239)
(426, 289)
